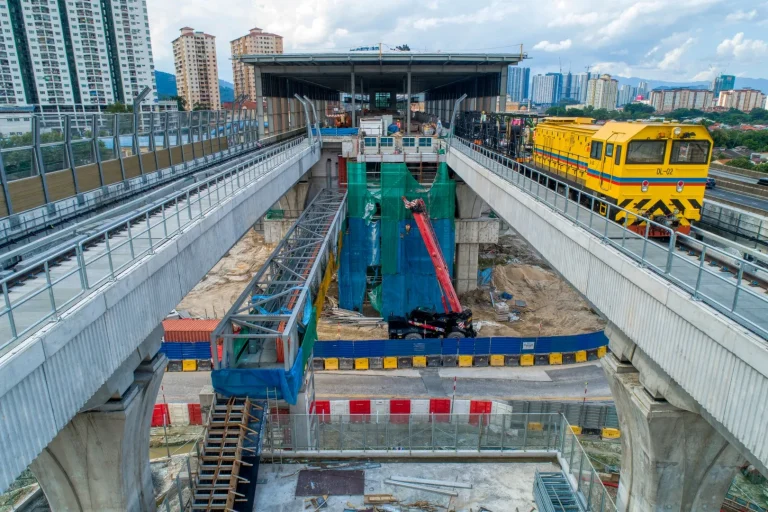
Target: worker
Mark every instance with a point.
(482, 116)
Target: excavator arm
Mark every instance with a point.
(419, 211)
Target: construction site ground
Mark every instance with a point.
(497, 486)
(553, 307)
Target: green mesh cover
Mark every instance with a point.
(357, 189)
(442, 195)
(375, 297)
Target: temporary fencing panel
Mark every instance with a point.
(179, 414)
(479, 409)
(465, 346)
(323, 410)
(440, 409)
(339, 408)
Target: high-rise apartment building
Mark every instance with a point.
(85, 52)
(197, 73)
(579, 86)
(722, 83)
(546, 89)
(602, 92)
(642, 89)
(255, 42)
(741, 99)
(667, 100)
(627, 94)
(518, 80)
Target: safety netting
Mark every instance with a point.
(383, 257)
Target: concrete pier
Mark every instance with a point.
(471, 231)
(672, 457)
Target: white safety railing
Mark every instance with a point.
(45, 288)
(729, 284)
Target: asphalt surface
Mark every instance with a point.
(560, 383)
(734, 177)
(735, 197)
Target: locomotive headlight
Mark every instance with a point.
(675, 211)
(680, 186)
(677, 131)
(644, 186)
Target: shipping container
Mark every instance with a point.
(189, 330)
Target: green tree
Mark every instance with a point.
(119, 108)
(181, 102)
(742, 162)
(201, 106)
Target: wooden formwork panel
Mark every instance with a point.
(215, 145)
(3, 206)
(223, 143)
(198, 149)
(131, 166)
(111, 171)
(60, 185)
(148, 161)
(163, 160)
(88, 177)
(26, 193)
(187, 149)
(176, 154)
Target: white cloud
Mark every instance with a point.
(671, 60)
(741, 16)
(612, 68)
(653, 50)
(572, 19)
(546, 46)
(495, 12)
(742, 48)
(706, 76)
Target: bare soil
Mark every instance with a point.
(215, 294)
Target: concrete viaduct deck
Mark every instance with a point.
(689, 362)
(66, 331)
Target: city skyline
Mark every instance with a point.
(623, 38)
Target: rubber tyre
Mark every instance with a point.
(456, 334)
(413, 336)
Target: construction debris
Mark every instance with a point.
(347, 317)
(378, 498)
(422, 488)
(438, 483)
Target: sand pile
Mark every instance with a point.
(215, 294)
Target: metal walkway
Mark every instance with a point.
(268, 311)
(41, 289)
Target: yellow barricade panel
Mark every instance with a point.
(465, 360)
(332, 363)
(576, 430)
(555, 358)
(361, 363)
(601, 351)
(189, 365)
(497, 360)
(390, 363)
(526, 360)
(581, 356)
(611, 433)
(535, 426)
(419, 361)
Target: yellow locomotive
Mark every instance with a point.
(657, 171)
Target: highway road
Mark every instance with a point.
(734, 177)
(561, 383)
(735, 197)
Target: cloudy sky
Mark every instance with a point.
(675, 40)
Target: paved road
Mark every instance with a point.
(735, 177)
(735, 197)
(534, 383)
(531, 383)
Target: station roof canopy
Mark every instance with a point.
(382, 70)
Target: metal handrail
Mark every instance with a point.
(212, 191)
(556, 193)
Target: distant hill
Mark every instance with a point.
(226, 91)
(166, 87)
(760, 84)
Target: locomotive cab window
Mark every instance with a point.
(689, 152)
(646, 151)
(618, 155)
(596, 151)
(608, 150)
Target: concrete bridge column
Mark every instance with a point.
(292, 204)
(471, 231)
(672, 457)
(100, 460)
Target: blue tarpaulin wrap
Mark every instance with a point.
(505, 345)
(254, 382)
(484, 277)
(359, 250)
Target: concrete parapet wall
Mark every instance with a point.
(51, 375)
(720, 364)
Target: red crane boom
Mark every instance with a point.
(419, 211)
